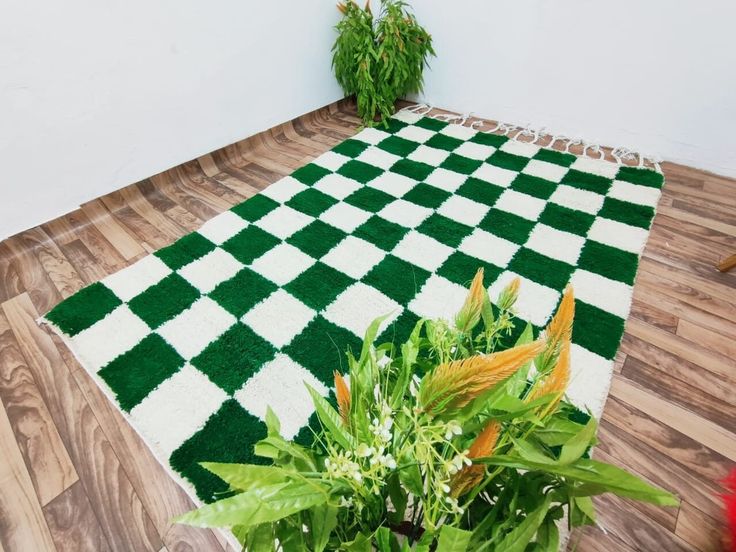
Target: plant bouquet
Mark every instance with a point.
(379, 59)
(451, 441)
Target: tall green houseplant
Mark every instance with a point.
(379, 59)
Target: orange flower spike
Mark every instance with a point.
(510, 293)
(486, 440)
(368, 6)
(454, 384)
(469, 314)
(342, 7)
(481, 447)
(557, 381)
(343, 397)
(560, 327)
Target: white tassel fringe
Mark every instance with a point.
(530, 135)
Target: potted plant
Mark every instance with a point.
(379, 59)
(451, 441)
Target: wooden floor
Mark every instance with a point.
(74, 476)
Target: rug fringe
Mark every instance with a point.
(531, 135)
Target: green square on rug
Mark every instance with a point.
(195, 341)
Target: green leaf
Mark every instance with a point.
(323, 520)
(548, 536)
(603, 477)
(386, 541)
(425, 542)
(331, 419)
(517, 382)
(532, 453)
(521, 535)
(576, 446)
(246, 476)
(261, 538)
(273, 425)
(557, 431)
(486, 311)
(361, 543)
(582, 511)
(285, 453)
(453, 539)
(370, 337)
(290, 535)
(259, 505)
(399, 498)
(409, 473)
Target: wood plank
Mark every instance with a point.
(700, 530)
(22, 525)
(637, 531)
(126, 525)
(663, 516)
(114, 232)
(49, 466)
(33, 277)
(705, 432)
(684, 311)
(706, 463)
(684, 349)
(82, 229)
(709, 339)
(682, 393)
(595, 539)
(654, 316)
(160, 495)
(659, 467)
(683, 370)
(73, 524)
(135, 199)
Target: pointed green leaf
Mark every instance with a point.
(601, 476)
(576, 446)
(246, 476)
(273, 425)
(258, 505)
(323, 520)
(453, 539)
(370, 337)
(331, 420)
(548, 536)
(521, 535)
(486, 311)
(518, 382)
(261, 538)
(361, 543)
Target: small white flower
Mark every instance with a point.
(364, 450)
(377, 393)
(452, 428)
(460, 459)
(346, 502)
(358, 476)
(445, 488)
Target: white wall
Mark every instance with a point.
(658, 76)
(97, 94)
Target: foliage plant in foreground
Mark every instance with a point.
(450, 441)
(379, 59)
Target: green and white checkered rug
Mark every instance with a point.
(196, 340)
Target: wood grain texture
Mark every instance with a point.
(73, 523)
(22, 526)
(671, 416)
(38, 439)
